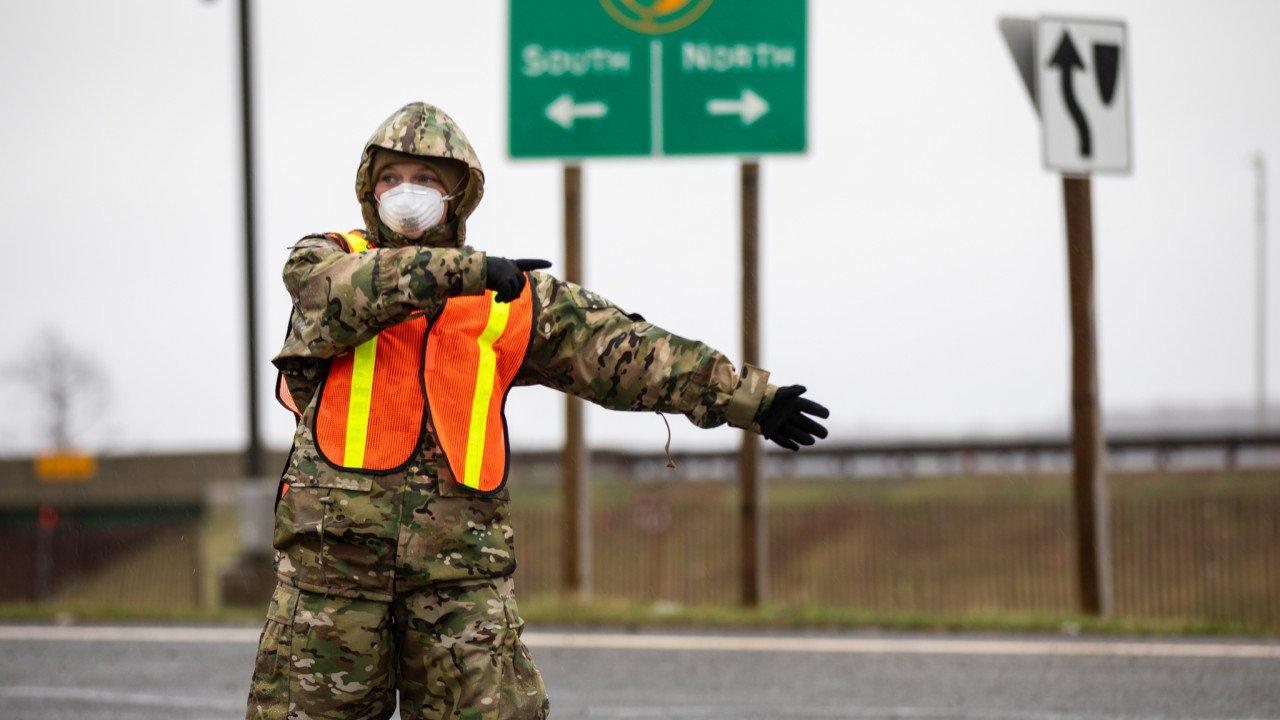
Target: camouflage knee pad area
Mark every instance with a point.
(452, 651)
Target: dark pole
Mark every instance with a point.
(577, 504)
(250, 580)
(1260, 289)
(253, 452)
(754, 550)
(1089, 482)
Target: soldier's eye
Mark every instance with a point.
(389, 179)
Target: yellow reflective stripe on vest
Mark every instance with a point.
(356, 241)
(361, 383)
(486, 372)
(361, 399)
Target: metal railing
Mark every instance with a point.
(905, 458)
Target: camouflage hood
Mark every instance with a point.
(425, 130)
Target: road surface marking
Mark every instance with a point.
(100, 697)
(901, 645)
(899, 712)
(111, 697)
(116, 633)
(710, 643)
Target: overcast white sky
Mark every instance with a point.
(913, 261)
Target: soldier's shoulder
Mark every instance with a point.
(552, 291)
(546, 287)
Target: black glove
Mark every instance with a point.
(785, 422)
(506, 277)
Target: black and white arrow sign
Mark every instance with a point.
(1082, 90)
(1066, 59)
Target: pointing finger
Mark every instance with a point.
(807, 424)
(813, 408)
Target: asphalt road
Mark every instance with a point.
(137, 673)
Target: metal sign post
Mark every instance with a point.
(1076, 71)
(755, 573)
(1089, 481)
(576, 568)
(609, 78)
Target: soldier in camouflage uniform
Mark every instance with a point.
(400, 582)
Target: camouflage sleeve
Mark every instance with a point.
(342, 299)
(302, 378)
(585, 345)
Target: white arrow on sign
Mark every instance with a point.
(563, 111)
(750, 107)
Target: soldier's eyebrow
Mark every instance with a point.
(413, 170)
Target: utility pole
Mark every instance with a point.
(1260, 310)
(250, 580)
(253, 450)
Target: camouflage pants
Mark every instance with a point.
(453, 651)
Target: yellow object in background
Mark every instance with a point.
(66, 467)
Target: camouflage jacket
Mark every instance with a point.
(367, 535)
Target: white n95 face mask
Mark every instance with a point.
(409, 209)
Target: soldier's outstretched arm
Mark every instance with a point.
(342, 299)
(586, 345)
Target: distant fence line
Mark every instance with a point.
(1201, 558)
(180, 478)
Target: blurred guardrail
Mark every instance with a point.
(182, 477)
(908, 458)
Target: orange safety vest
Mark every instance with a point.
(459, 365)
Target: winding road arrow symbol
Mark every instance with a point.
(1067, 60)
(749, 107)
(563, 111)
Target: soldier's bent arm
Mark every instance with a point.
(342, 299)
(585, 345)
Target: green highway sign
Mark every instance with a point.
(656, 77)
